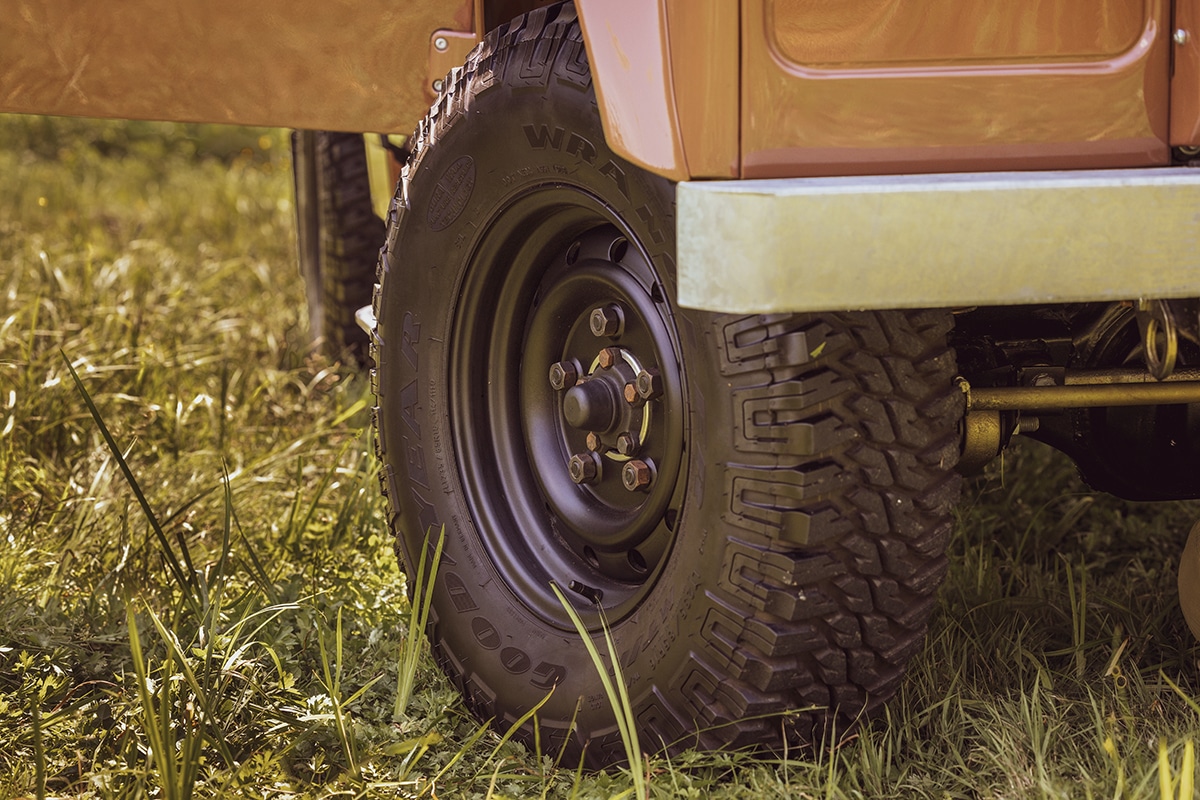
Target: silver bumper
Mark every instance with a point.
(821, 244)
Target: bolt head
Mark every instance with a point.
(563, 375)
(1180, 36)
(584, 468)
(631, 394)
(627, 443)
(594, 443)
(649, 384)
(636, 475)
(605, 321)
(608, 356)
(440, 44)
(437, 85)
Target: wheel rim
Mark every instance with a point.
(567, 404)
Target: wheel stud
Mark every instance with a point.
(636, 475)
(649, 384)
(627, 443)
(584, 468)
(593, 442)
(563, 375)
(631, 395)
(607, 357)
(605, 321)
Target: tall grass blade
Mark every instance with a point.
(512, 729)
(420, 599)
(156, 719)
(1187, 771)
(615, 690)
(1165, 788)
(201, 686)
(1180, 693)
(185, 578)
(333, 685)
(39, 752)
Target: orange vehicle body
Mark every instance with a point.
(687, 88)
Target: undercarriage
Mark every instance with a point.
(1115, 386)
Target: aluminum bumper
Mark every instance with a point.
(821, 244)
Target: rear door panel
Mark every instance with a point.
(886, 86)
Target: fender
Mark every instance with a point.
(666, 77)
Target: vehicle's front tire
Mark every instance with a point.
(759, 505)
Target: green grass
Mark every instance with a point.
(208, 604)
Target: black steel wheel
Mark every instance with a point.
(339, 236)
(758, 505)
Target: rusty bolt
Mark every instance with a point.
(649, 384)
(605, 321)
(563, 375)
(608, 356)
(636, 475)
(593, 442)
(631, 394)
(627, 443)
(584, 467)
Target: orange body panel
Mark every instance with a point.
(884, 86)
(630, 62)
(704, 45)
(1185, 75)
(358, 65)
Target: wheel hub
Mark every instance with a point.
(572, 436)
(603, 451)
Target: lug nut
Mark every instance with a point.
(608, 356)
(631, 395)
(584, 467)
(627, 443)
(563, 375)
(649, 384)
(593, 442)
(605, 321)
(636, 475)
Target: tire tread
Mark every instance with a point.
(838, 473)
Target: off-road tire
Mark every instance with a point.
(793, 534)
(349, 234)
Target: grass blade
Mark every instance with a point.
(420, 600)
(185, 579)
(615, 690)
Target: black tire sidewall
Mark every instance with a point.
(507, 656)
